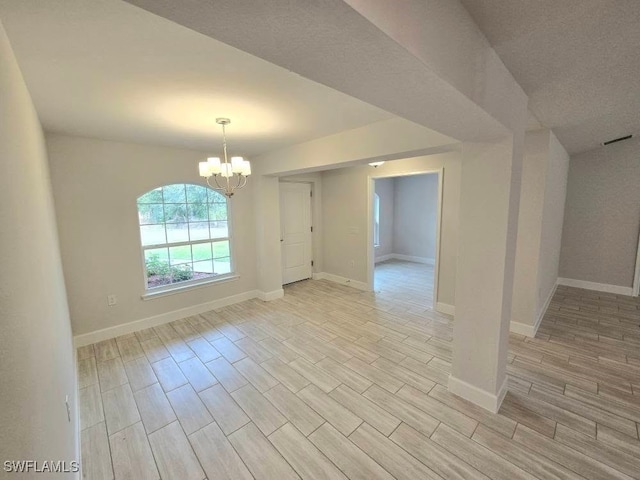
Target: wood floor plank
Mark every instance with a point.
(356, 464)
(228, 350)
(197, 374)
(537, 465)
(226, 374)
(364, 408)
(90, 402)
(285, 374)
(517, 410)
(87, 372)
(191, 412)
(225, 411)
(131, 454)
(438, 459)
(139, 373)
(345, 375)
(106, 350)
(129, 348)
(261, 412)
(315, 374)
(413, 416)
(374, 374)
(479, 457)
(173, 453)
(154, 349)
(154, 408)
(303, 455)
(334, 413)
(389, 455)
(303, 417)
(169, 374)
(259, 455)
(568, 457)
(120, 408)
(255, 374)
(203, 350)
(96, 456)
(217, 457)
(111, 374)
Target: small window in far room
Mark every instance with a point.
(376, 220)
(185, 236)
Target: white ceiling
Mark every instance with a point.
(107, 69)
(578, 60)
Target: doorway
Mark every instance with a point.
(295, 232)
(405, 236)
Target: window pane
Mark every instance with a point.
(181, 254)
(201, 251)
(177, 232)
(216, 197)
(181, 273)
(174, 194)
(220, 249)
(203, 269)
(176, 213)
(150, 213)
(198, 212)
(196, 194)
(157, 264)
(152, 235)
(199, 231)
(222, 266)
(154, 196)
(219, 230)
(217, 211)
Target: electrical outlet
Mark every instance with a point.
(112, 300)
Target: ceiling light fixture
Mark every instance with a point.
(239, 167)
(376, 164)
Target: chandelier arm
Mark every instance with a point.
(215, 179)
(242, 181)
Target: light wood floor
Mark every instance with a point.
(331, 382)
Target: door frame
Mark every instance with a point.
(371, 249)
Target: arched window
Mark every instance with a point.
(185, 235)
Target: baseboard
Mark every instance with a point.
(384, 258)
(414, 259)
(531, 330)
(445, 308)
(342, 280)
(600, 287)
(117, 330)
(273, 295)
(482, 398)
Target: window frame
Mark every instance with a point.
(170, 288)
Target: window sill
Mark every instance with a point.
(150, 295)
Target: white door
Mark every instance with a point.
(295, 231)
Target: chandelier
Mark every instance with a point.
(234, 175)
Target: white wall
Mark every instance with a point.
(602, 215)
(543, 191)
(416, 215)
(345, 217)
(385, 188)
(96, 184)
(36, 353)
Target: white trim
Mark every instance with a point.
(184, 286)
(273, 295)
(111, 332)
(531, 330)
(445, 308)
(600, 287)
(342, 280)
(405, 258)
(412, 258)
(384, 258)
(488, 401)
